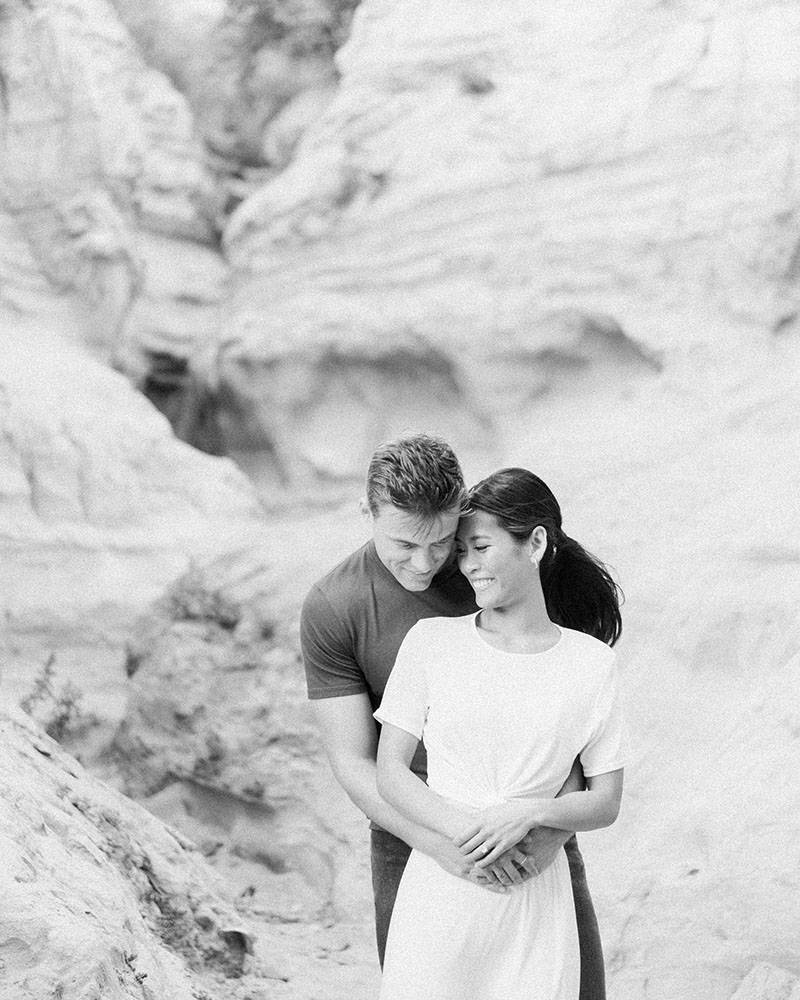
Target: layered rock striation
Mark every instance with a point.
(501, 202)
(108, 213)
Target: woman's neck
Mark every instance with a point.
(519, 628)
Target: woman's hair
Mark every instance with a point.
(578, 589)
(418, 474)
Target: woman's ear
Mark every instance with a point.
(538, 544)
(364, 510)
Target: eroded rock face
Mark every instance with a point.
(100, 507)
(107, 210)
(256, 73)
(217, 737)
(100, 898)
(766, 982)
(482, 179)
(214, 697)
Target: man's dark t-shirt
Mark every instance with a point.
(354, 620)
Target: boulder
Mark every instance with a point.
(100, 898)
(217, 738)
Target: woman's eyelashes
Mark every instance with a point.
(461, 552)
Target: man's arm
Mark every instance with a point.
(348, 733)
(542, 843)
(344, 719)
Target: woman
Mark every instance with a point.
(505, 700)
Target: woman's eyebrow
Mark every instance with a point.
(472, 538)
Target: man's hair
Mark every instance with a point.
(418, 474)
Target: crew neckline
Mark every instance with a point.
(509, 652)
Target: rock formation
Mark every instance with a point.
(217, 738)
(503, 201)
(766, 982)
(101, 899)
(256, 73)
(107, 208)
(100, 507)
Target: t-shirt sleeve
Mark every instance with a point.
(607, 748)
(330, 664)
(405, 700)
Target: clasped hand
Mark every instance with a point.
(493, 831)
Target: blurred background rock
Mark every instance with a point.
(242, 243)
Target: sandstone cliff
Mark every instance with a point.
(503, 201)
(100, 899)
(106, 207)
(100, 507)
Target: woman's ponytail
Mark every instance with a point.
(578, 589)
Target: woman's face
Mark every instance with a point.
(500, 569)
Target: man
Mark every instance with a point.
(352, 624)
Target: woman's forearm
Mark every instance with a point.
(592, 809)
(412, 798)
(575, 811)
(496, 828)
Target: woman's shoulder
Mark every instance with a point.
(441, 626)
(587, 646)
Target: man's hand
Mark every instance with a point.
(541, 846)
(511, 868)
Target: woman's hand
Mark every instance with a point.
(513, 867)
(494, 831)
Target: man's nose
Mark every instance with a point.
(423, 562)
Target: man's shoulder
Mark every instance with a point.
(344, 583)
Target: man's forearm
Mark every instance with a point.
(360, 783)
(361, 787)
(545, 841)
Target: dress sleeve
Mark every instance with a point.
(328, 658)
(405, 700)
(608, 745)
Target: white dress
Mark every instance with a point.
(497, 726)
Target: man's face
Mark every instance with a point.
(413, 549)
